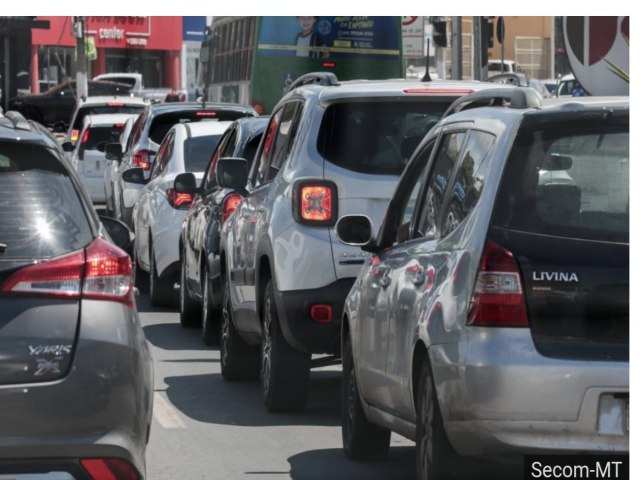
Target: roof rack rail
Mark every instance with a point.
(327, 79)
(19, 122)
(517, 79)
(514, 97)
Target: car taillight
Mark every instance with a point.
(109, 469)
(229, 205)
(498, 298)
(85, 136)
(315, 202)
(206, 113)
(115, 104)
(142, 159)
(177, 200)
(74, 135)
(100, 271)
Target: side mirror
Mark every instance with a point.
(59, 127)
(68, 146)
(100, 146)
(232, 173)
(113, 151)
(135, 175)
(118, 231)
(355, 230)
(185, 183)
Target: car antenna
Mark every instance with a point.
(427, 77)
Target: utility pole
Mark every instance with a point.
(456, 48)
(477, 48)
(81, 60)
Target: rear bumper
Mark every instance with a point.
(102, 408)
(498, 395)
(294, 315)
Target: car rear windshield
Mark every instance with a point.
(41, 215)
(162, 123)
(104, 109)
(376, 137)
(100, 135)
(571, 183)
(198, 151)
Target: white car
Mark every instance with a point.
(88, 157)
(158, 215)
(111, 170)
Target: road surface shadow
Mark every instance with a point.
(172, 336)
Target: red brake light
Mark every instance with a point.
(498, 297)
(321, 313)
(115, 104)
(142, 159)
(109, 469)
(231, 202)
(329, 64)
(206, 114)
(315, 202)
(100, 271)
(177, 200)
(118, 125)
(438, 91)
(85, 136)
(75, 134)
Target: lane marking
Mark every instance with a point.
(165, 414)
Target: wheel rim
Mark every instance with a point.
(205, 301)
(183, 287)
(427, 412)
(152, 269)
(224, 332)
(351, 401)
(266, 346)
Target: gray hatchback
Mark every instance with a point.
(492, 319)
(75, 370)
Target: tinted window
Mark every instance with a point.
(197, 152)
(251, 148)
(439, 179)
(568, 183)
(376, 137)
(469, 180)
(40, 212)
(98, 135)
(267, 147)
(161, 124)
(103, 109)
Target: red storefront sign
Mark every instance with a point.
(152, 33)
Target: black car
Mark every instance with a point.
(200, 283)
(56, 105)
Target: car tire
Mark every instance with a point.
(238, 359)
(160, 290)
(211, 316)
(361, 439)
(285, 370)
(189, 308)
(435, 457)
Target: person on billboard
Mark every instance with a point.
(308, 37)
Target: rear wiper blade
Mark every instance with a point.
(3, 247)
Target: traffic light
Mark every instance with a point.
(439, 32)
(488, 30)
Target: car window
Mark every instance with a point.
(284, 138)
(41, 215)
(266, 153)
(164, 152)
(136, 131)
(210, 175)
(161, 124)
(197, 152)
(94, 136)
(571, 183)
(376, 137)
(228, 149)
(469, 180)
(103, 109)
(250, 149)
(439, 178)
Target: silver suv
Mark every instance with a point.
(492, 319)
(331, 149)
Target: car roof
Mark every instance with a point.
(108, 118)
(206, 127)
(105, 99)
(177, 106)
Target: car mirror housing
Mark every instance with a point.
(232, 173)
(68, 146)
(113, 151)
(186, 183)
(135, 175)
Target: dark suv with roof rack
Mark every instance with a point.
(496, 323)
(76, 375)
(147, 134)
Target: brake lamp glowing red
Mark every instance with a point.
(206, 114)
(142, 159)
(115, 104)
(230, 205)
(438, 91)
(109, 469)
(315, 203)
(85, 136)
(181, 201)
(329, 64)
(498, 298)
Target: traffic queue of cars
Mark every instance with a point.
(452, 244)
